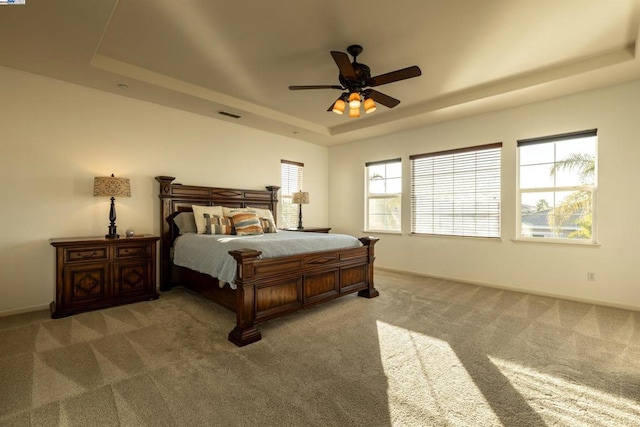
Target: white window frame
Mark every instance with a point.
(557, 139)
(291, 174)
(457, 192)
(383, 196)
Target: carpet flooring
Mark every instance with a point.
(426, 352)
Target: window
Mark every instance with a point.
(290, 182)
(457, 192)
(383, 195)
(557, 187)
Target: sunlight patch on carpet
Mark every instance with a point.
(561, 398)
(427, 381)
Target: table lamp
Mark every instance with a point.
(110, 186)
(300, 198)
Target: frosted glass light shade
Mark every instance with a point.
(354, 100)
(369, 106)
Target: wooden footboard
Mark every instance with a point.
(268, 288)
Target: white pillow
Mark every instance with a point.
(263, 213)
(227, 211)
(198, 215)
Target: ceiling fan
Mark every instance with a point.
(355, 78)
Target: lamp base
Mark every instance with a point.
(300, 227)
(112, 233)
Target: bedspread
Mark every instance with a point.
(209, 254)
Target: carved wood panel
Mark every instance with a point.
(86, 283)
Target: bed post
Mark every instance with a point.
(274, 200)
(165, 231)
(245, 332)
(371, 291)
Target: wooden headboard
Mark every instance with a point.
(176, 198)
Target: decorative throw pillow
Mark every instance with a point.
(268, 226)
(264, 213)
(185, 222)
(246, 223)
(217, 224)
(198, 214)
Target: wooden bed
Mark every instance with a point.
(266, 288)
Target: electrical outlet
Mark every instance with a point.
(591, 276)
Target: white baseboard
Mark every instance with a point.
(23, 310)
(512, 288)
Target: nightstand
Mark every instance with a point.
(310, 229)
(95, 272)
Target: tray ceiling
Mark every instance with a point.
(240, 57)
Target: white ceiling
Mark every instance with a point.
(240, 57)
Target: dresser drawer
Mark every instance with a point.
(80, 254)
(136, 250)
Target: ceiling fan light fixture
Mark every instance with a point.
(354, 100)
(339, 106)
(355, 78)
(369, 106)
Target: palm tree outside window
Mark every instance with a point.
(557, 186)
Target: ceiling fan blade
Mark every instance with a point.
(383, 99)
(394, 76)
(344, 65)
(315, 87)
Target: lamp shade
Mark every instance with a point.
(338, 107)
(354, 112)
(110, 186)
(369, 106)
(354, 100)
(300, 198)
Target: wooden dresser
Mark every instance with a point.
(95, 272)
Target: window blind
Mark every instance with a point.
(558, 137)
(457, 192)
(383, 162)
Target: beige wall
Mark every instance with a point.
(55, 137)
(543, 268)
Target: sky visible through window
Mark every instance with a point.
(384, 189)
(385, 179)
(536, 164)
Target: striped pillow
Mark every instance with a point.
(246, 223)
(217, 225)
(198, 215)
(268, 226)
